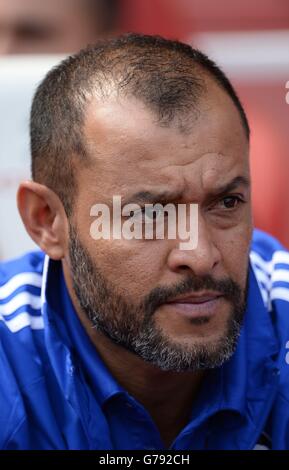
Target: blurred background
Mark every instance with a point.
(249, 39)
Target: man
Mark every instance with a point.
(126, 342)
(57, 26)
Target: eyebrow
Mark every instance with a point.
(235, 183)
(150, 197)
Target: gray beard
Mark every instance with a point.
(133, 326)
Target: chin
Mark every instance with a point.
(204, 328)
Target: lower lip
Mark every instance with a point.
(197, 310)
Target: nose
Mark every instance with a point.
(202, 260)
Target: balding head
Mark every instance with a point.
(167, 76)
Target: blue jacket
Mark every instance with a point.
(56, 392)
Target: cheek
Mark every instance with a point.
(234, 247)
(133, 267)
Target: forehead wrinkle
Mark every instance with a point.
(114, 140)
(214, 178)
(102, 124)
(210, 174)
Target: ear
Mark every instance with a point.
(44, 218)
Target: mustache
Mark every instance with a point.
(163, 294)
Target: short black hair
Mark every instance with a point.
(167, 75)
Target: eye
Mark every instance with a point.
(231, 202)
(152, 213)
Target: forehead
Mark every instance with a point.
(130, 147)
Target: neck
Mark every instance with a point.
(146, 382)
(167, 395)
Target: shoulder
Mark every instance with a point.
(20, 291)
(268, 248)
(20, 322)
(270, 262)
(31, 262)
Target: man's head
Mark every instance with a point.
(56, 26)
(150, 120)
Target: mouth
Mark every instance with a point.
(204, 304)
